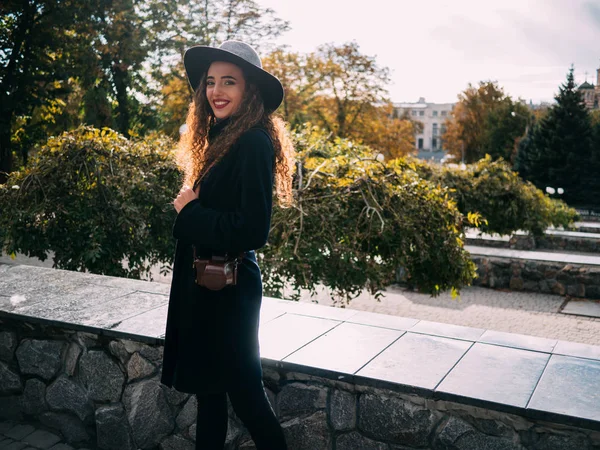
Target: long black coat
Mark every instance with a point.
(211, 339)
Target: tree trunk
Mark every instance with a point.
(120, 80)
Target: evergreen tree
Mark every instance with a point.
(558, 151)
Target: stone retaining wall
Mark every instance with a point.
(546, 242)
(538, 276)
(104, 392)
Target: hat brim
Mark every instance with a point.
(198, 59)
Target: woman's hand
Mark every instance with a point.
(186, 194)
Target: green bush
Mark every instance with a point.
(500, 196)
(93, 198)
(357, 220)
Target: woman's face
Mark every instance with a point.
(225, 86)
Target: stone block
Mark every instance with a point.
(118, 350)
(308, 433)
(8, 344)
(71, 358)
(66, 394)
(395, 420)
(558, 442)
(86, 340)
(354, 441)
(456, 434)
(101, 376)
(10, 381)
(297, 398)
(557, 288)
(34, 397)
(174, 397)
(139, 367)
(188, 413)
(516, 284)
(112, 431)
(175, 442)
(152, 354)
(71, 427)
(148, 413)
(342, 410)
(41, 358)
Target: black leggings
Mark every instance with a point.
(253, 408)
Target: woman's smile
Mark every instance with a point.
(219, 104)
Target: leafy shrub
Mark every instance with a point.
(93, 198)
(357, 220)
(500, 196)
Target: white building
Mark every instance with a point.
(433, 117)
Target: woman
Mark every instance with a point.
(233, 150)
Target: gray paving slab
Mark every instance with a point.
(73, 298)
(575, 234)
(16, 445)
(534, 255)
(345, 348)
(383, 320)
(522, 341)
(42, 439)
(569, 386)
(106, 314)
(496, 374)
(150, 323)
(416, 360)
(447, 330)
(133, 284)
(271, 309)
(6, 425)
(19, 431)
(315, 310)
(577, 349)
(286, 334)
(582, 307)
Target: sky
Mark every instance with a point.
(434, 48)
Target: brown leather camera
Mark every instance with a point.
(217, 271)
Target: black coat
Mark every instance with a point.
(211, 339)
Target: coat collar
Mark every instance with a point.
(216, 129)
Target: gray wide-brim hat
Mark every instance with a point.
(198, 59)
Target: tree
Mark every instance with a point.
(484, 121)
(300, 75)
(41, 45)
(560, 151)
(343, 91)
(180, 24)
(350, 83)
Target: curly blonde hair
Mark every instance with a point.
(195, 156)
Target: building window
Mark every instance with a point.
(420, 144)
(435, 114)
(434, 144)
(421, 113)
(444, 113)
(435, 129)
(414, 113)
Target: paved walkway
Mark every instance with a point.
(25, 436)
(515, 312)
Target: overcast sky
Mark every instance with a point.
(434, 48)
